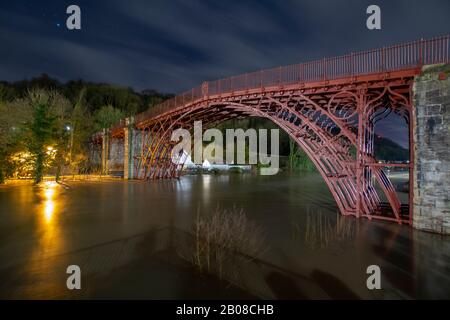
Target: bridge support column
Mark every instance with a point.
(432, 149)
(105, 151)
(130, 142)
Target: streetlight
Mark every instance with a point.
(69, 129)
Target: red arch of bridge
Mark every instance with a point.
(328, 107)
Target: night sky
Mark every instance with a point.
(173, 45)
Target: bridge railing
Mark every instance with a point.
(386, 59)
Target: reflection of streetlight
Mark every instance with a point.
(49, 204)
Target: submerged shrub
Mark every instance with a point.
(321, 231)
(224, 239)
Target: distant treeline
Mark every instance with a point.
(45, 125)
(96, 95)
(388, 150)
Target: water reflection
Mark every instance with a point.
(39, 242)
(93, 225)
(49, 204)
(49, 210)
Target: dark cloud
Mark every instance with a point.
(174, 45)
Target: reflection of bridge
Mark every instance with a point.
(329, 107)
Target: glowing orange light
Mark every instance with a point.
(49, 204)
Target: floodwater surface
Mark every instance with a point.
(124, 236)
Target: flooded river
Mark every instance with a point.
(124, 236)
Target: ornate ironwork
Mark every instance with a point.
(329, 107)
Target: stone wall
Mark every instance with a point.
(116, 154)
(432, 149)
(132, 148)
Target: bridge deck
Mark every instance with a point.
(403, 60)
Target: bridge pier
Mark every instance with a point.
(116, 156)
(118, 152)
(131, 142)
(105, 152)
(432, 149)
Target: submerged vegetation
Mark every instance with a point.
(224, 241)
(321, 231)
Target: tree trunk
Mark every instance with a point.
(58, 172)
(39, 173)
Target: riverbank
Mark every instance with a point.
(76, 177)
